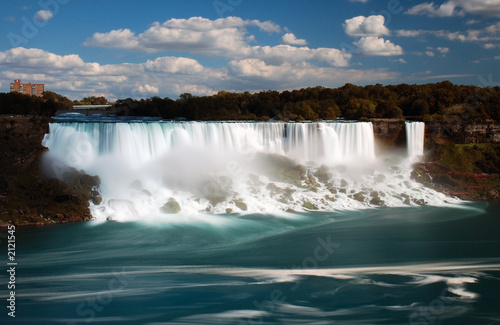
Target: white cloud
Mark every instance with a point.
(493, 29)
(38, 59)
(173, 65)
(285, 53)
(488, 8)
(43, 15)
(366, 26)
(221, 37)
(375, 46)
(447, 9)
(410, 33)
(123, 39)
(443, 50)
(148, 89)
(225, 37)
(333, 57)
(486, 35)
(288, 76)
(291, 39)
(472, 22)
(169, 76)
(362, 1)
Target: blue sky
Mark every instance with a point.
(122, 49)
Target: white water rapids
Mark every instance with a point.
(220, 167)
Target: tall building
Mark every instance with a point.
(27, 89)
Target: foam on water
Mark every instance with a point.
(220, 167)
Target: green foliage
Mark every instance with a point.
(19, 104)
(474, 158)
(93, 100)
(441, 101)
(389, 109)
(358, 108)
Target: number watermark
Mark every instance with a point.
(11, 270)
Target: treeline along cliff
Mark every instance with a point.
(432, 102)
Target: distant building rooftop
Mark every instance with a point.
(27, 89)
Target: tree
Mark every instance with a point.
(61, 102)
(93, 100)
(360, 108)
(328, 109)
(304, 110)
(420, 107)
(388, 109)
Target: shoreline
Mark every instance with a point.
(32, 200)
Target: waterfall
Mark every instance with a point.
(78, 143)
(415, 132)
(150, 168)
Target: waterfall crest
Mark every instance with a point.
(415, 132)
(139, 143)
(161, 168)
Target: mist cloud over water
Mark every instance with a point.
(151, 169)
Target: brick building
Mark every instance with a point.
(27, 89)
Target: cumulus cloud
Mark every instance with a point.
(291, 39)
(173, 65)
(285, 53)
(440, 49)
(225, 37)
(447, 9)
(40, 59)
(287, 76)
(488, 8)
(148, 89)
(443, 50)
(170, 76)
(222, 37)
(361, 26)
(123, 39)
(376, 46)
(486, 35)
(43, 15)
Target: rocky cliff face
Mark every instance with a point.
(464, 156)
(464, 133)
(26, 197)
(391, 132)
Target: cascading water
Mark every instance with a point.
(152, 169)
(415, 132)
(138, 143)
